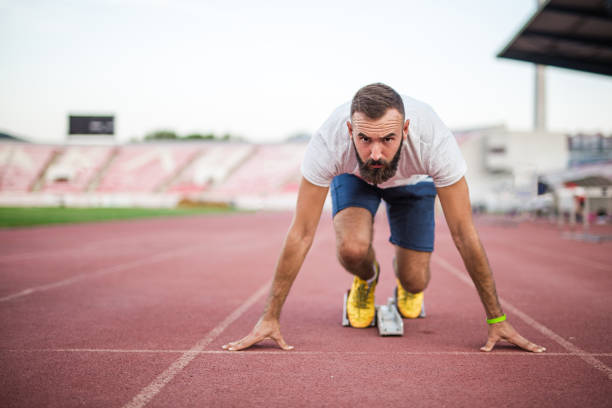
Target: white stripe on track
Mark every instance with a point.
(569, 346)
(99, 245)
(104, 271)
(63, 252)
(563, 255)
(150, 391)
(326, 353)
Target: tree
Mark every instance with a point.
(208, 136)
(161, 135)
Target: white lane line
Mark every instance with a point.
(91, 246)
(62, 252)
(569, 346)
(294, 352)
(150, 391)
(563, 255)
(104, 271)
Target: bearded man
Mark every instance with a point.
(383, 146)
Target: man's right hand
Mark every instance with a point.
(264, 329)
(299, 238)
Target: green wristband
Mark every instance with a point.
(497, 319)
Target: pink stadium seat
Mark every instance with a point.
(145, 168)
(21, 165)
(267, 171)
(76, 168)
(212, 167)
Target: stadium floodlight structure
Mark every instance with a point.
(574, 34)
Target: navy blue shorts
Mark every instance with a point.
(410, 209)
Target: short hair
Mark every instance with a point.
(375, 99)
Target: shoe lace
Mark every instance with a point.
(361, 298)
(406, 296)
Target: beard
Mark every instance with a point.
(382, 174)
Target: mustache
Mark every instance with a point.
(380, 162)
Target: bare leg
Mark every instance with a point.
(412, 269)
(354, 231)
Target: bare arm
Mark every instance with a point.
(458, 212)
(455, 202)
(297, 243)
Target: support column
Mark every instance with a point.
(539, 100)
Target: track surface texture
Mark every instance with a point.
(134, 314)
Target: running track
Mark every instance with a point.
(134, 313)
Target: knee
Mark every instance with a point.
(353, 253)
(414, 287)
(414, 280)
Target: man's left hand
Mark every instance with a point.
(504, 331)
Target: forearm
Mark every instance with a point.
(477, 265)
(292, 256)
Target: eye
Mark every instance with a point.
(364, 139)
(388, 139)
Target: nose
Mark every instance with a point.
(376, 153)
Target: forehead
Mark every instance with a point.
(391, 122)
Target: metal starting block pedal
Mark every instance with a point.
(389, 319)
(422, 315)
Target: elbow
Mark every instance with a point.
(459, 241)
(464, 237)
(302, 237)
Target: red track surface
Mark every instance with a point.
(135, 313)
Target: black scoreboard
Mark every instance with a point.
(91, 125)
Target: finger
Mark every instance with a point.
(228, 345)
(243, 343)
(281, 342)
(238, 346)
(232, 343)
(526, 344)
(489, 346)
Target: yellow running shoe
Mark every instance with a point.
(408, 304)
(360, 306)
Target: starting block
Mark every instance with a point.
(387, 318)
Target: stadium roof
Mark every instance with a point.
(574, 174)
(591, 181)
(575, 34)
(6, 137)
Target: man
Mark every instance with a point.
(383, 146)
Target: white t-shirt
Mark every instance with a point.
(429, 151)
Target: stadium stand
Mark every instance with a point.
(146, 168)
(269, 169)
(75, 168)
(150, 175)
(22, 165)
(214, 164)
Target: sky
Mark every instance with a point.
(268, 70)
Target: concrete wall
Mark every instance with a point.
(503, 166)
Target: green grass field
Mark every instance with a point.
(22, 217)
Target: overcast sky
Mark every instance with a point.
(266, 70)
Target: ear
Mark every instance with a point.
(350, 128)
(406, 125)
